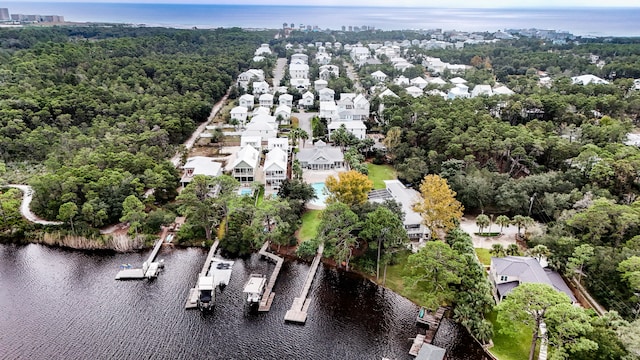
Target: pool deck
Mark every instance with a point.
(317, 176)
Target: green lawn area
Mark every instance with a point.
(484, 256)
(395, 281)
(507, 347)
(379, 173)
(310, 222)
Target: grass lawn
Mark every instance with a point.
(379, 173)
(310, 222)
(484, 256)
(509, 347)
(395, 281)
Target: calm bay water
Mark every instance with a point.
(66, 304)
(580, 21)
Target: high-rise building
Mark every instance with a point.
(4, 14)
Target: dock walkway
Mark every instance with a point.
(149, 268)
(433, 321)
(192, 298)
(268, 294)
(300, 306)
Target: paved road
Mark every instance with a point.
(278, 72)
(305, 123)
(25, 210)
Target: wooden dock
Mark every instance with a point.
(147, 268)
(192, 298)
(300, 306)
(268, 294)
(432, 320)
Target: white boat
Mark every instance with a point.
(206, 293)
(254, 288)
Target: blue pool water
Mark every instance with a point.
(246, 191)
(321, 194)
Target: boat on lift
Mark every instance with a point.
(254, 288)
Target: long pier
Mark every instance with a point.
(149, 268)
(192, 298)
(300, 306)
(432, 320)
(268, 294)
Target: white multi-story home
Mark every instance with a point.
(588, 79)
(355, 127)
(402, 81)
(263, 50)
(266, 100)
(460, 91)
(265, 118)
(275, 168)
(328, 110)
(260, 128)
(419, 82)
(300, 84)
(283, 112)
(299, 59)
(200, 165)
(249, 76)
(379, 76)
(320, 84)
(323, 58)
(260, 87)
(414, 91)
(360, 54)
(299, 71)
(307, 99)
(502, 90)
(321, 157)
(285, 99)
(247, 100)
(280, 142)
(245, 165)
(239, 113)
(361, 108)
(331, 70)
(345, 108)
(255, 141)
(481, 90)
(326, 94)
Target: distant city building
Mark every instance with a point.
(4, 14)
(37, 18)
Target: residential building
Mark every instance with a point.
(300, 84)
(328, 110)
(200, 165)
(379, 76)
(508, 272)
(321, 157)
(414, 91)
(285, 99)
(266, 100)
(481, 90)
(299, 71)
(239, 113)
(458, 92)
(406, 197)
(247, 100)
(260, 87)
(402, 81)
(320, 84)
(255, 141)
(283, 112)
(260, 128)
(263, 50)
(279, 142)
(250, 76)
(326, 94)
(299, 59)
(307, 99)
(419, 82)
(4, 14)
(260, 111)
(245, 165)
(361, 108)
(502, 90)
(588, 79)
(329, 70)
(355, 127)
(275, 168)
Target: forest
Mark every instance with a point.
(90, 115)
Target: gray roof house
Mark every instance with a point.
(321, 157)
(200, 165)
(510, 271)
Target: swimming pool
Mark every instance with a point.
(245, 191)
(321, 194)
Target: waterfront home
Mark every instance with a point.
(266, 100)
(247, 100)
(239, 113)
(506, 273)
(275, 168)
(285, 99)
(406, 197)
(245, 165)
(260, 87)
(379, 76)
(321, 157)
(255, 141)
(200, 165)
(320, 84)
(283, 112)
(355, 127)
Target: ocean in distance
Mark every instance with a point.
(579, 21)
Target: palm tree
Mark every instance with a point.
(482, 221)
(513, 250)
(497, 250)
(539, 251)
(522, 222)
(503, 220)
(304, 136)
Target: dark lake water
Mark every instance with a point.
(66, 304)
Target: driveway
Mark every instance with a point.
(25, 210)
(508, 236)
(278, 72)
(305, 123)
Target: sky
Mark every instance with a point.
(393, 3)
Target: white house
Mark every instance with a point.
(361, 108)
(285, 99)
(402, 66)
(402, 81)
(457, 80)
(458, 92)
(419, 82)
(255, 141)
(329, 70)
(438, 81)
(263, 50)
(379, 76)
(587, 79)
(323, 58)
(307, 99)
(360, 54)
(275, 168)
(406, 197)
(299, 59)
(266, 100)
(245, 165)
(259, 128)
(260, 87)
(299, 71)
(386, 93)
(283, 112)
(328, 110)
(414, 91)
(239, 113)
(355, 127)
(481, 90)
(280, 142)
(250, 76)
(436, 92)
(265, 118)
(260, 111)
(321, 157)
(247, 100)
(502, 90)
(200, 165)
(320, 84)
(506, 273)
(326, 94)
